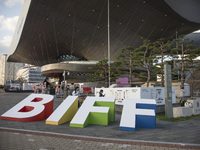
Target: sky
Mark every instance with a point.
(9, 14)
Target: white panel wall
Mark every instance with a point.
(157, 93)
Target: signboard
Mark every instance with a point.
(168, 91)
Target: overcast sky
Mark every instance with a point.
(9, 14)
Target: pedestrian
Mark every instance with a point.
(76, 92)
(101, 93)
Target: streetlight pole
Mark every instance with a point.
(108, 43)
(64, 95)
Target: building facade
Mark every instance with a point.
(8, 70)
(3, 66)
(33, 75)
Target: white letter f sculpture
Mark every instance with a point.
(138, 113)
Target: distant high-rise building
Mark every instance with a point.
(3, 69)
(8, 69)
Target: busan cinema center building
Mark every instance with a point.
(47, 30)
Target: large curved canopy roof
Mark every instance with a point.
(74, 66)
(48, 29)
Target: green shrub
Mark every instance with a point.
(2, 86)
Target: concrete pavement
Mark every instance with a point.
(167, 135)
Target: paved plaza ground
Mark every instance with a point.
(40, 136)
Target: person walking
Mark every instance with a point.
(76, 92)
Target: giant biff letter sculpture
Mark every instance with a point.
(64, 112)
(140, 113)
(95, 110)
(92, 112)
(35, 107)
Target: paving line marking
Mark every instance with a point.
(77, 140)
(107, 144)
(124, 146)
(31, 140)
(28, 135)
(16, 133)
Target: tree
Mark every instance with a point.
(193, 75)
(161, 50)
(21, 80)
(187, 52)
(101, 71)
(143, 58)
(126, 61)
